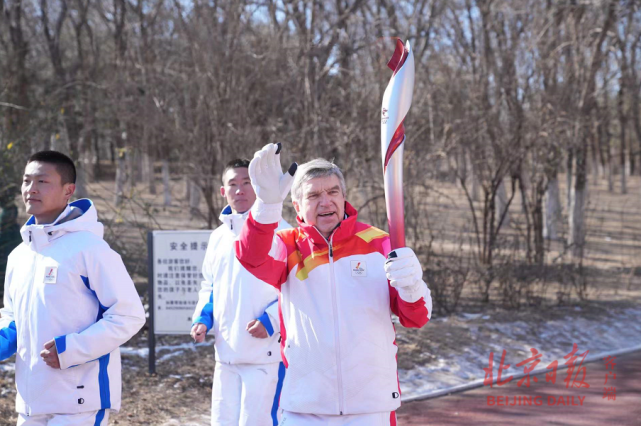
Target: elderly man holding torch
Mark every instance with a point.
(339, 283)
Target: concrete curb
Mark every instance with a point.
(479, 383)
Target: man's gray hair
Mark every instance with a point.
(312, 170)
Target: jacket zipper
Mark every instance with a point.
(34, 266)
(336, 326)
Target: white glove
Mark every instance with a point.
(405, 273)
(270, 183)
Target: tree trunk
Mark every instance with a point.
(525, 186)
(187, 188)
(610, 172)
(502, 205)
(568, 177)
(538, 223)
(121, 175)
(97, 170)
(476, 184)
(138, 165)
(604, 137)
(451, 170)
(552, 209)
(131, 167)
(165, 183)
(194, 199)
(577, 205)
(81, 180)
(624, 186)
(462, 169)
(595, 169)
(84, 166)
(622, 124)
(586, 106)
(148, 173)
(525, 208)
(60, 141)
(636, 114)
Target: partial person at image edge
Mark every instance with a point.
(69, 304)
(242, 313)
(10, 236)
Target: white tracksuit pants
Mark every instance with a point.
(246, 394)
(90, 418)
(374, 419)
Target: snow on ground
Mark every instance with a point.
(553, 339)
(144, 352)
(8, 366)
(171, 350)
(463, 362)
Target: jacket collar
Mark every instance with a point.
(233, 221)
(79, 215)
(344, 230)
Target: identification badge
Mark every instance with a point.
(51, 274)
(359, 268)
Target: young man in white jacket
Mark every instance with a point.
(69, 304)
(242, 312)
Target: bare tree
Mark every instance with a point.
(585, 105)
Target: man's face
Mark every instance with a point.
(238, 190)
(43, 193)
(322, 203)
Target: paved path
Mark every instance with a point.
(590, 408)
(471, 407)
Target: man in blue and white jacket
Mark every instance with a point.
(242, 311)
(69, 304)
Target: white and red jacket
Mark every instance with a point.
(335, 302)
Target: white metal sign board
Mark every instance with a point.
(176, 266)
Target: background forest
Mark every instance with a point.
(520, 108)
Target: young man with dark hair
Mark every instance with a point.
(242, 313)
(69, 304)
(63, 164)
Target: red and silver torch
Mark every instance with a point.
(396, 103)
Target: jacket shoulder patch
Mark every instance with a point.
(370, 234)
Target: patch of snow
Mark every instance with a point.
(553, 339)
(126, 350)
(169, 355)
(9, 366)
(174, 350)
(471, 316)
(6, 391)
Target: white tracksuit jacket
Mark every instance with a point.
(230, 297)
(338, 339)
(64, 282)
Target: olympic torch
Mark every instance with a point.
(396, 103)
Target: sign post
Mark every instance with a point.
(151, 336)
(174, 264)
